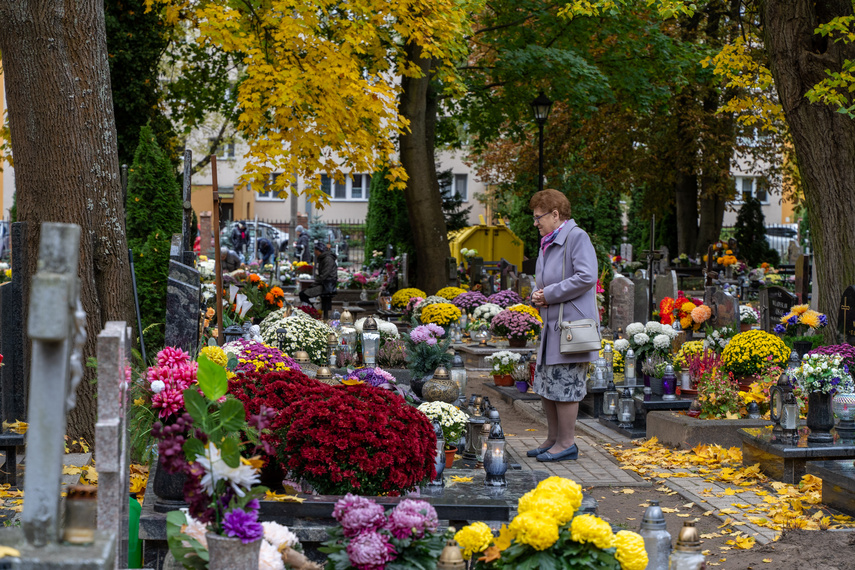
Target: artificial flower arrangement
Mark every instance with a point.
(617, 357)
(516, 325)
(647, 339)
(407, 536)
(470, 301)
(547, 533)
(450, 293)
(442, 314)
(748, 315)
(824, 373)
(801, 324)
(528, 309)
(402, 296)
(504, 362)
(452, 420)
(504, 298)
(486, 312)
(303, 333)
(426, 350)
(751, 352)
(341, 439)
(252, 356)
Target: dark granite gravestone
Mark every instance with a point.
(476, 268)
(775, 302)
(846, 315)
(838, 483)
(13, 345)
(785, 460)
(183, 306)
(451, 265)
(640, 301)
(622, 303)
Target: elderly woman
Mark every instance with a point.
(566, 276)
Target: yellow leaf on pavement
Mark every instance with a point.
(8, 551)
(456, 479)
(71, 470)
(531, 429)
(627, 491)
(767, 560)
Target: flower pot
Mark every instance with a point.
(228, 553)
(416, 385)
(802, 347)
(449, 457)
(657, 385)
(522, 386)
(169, 489)
(744, 327)
(820, 418)
(517, 342)
(503, 379)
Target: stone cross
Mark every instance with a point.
(57, 328)
(664, 261)
(14, 372)
(622, 302)
(709, 274)
(111, 434)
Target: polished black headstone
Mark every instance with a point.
(838, 483)
(14, 373)
(183, 310)
(846, 315)
(775, 302)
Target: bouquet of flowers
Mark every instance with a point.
(452, 420)
(846, 352)
(253, 356)
(370, 538)
(450, 293)
(727, 259)
(717, 339)
(302, 267)
(684, 307)
(545, 534)
(426, 350)
(402, 296)
(504, 298)
(800, 320)
(504, 361)
(654, 337)
(304, 333)
(824, 373)
(515, 324)
(748, 315)
(470, 300)
(357, 280)
(442, 314)
(486, 312)
(753, 351)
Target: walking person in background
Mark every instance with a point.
(566, 275)
(301, 246)
(326, 278)
(239, 239)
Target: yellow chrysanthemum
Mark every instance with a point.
(617, 362)
(810, 318)
(534, 529)
(691, 347)
(753, 351)
(403, 296)
(474, 538)
(450, 292)
(799, 309)
(567, 487)
(440, 314)
(216, 355)
(520, 308)
(630, 551)
(9, 273)
(588, 528)
(549, 502)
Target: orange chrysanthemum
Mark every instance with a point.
(254, 278)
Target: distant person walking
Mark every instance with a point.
(240, 238)
(302, 246)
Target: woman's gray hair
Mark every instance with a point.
(224, 250)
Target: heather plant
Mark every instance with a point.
(392, 354)
(719, 395)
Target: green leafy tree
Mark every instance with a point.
(387, 221)
(750, 233)
(153, 215)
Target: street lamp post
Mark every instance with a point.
(540, 106)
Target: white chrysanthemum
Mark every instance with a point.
(277, 535)
(662, 341)
(269, 557)
(241, 477)
(157, 386)
(640, 339)
(621, 345)
(653, 327)
(669, 330)
(633, 329)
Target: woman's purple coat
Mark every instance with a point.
(579, 286)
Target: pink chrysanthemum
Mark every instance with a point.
(169, 400)
(172, 357)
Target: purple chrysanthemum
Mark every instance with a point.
(469, 300)
(514, 324)
(358, 514)
(428, 333)
(412, 517)
(243, 525)
(505, 298)
(370, 551)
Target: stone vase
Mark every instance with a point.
(228, 553)
(169, 489)
(820, 418)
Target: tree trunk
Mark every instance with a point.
(823, 139)
(424, 204)
(686, 190)
(66, 164)
(712, 217)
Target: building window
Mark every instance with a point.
(459, 184)
(224, 150)
(354, 187)
(747, 186)
(269, 193)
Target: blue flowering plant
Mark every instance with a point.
(824, 373)
(222, 486)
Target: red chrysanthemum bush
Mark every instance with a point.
(342, 439)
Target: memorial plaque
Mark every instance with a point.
(622, 303)
(846, 315)
(775, 302)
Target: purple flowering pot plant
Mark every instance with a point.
(426, 351)
(222, 486)
(367, 537)
(504, 298)
(517, 326)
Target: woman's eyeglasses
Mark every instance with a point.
(537, 218)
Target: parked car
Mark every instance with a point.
(779, 237)
(277, 237)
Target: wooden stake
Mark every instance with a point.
(218, 270)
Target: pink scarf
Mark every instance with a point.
(550, 237)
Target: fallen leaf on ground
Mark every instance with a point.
(627, 491)
(531, 429)
(71, 470)
(456, 479)
(16, 426)
(8, 551)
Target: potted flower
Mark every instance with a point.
(503, 364)
(718, 395)
(504, 298)
(486, 312)
(522, 378)
(517, 326)
(646, 340)
(450, 293)
(452, 421)
(470, 301)
(402, 296)
(748, 316)
(425, 352)
(821, 376)
(442, 314)
(798, 328)
(748, 354)
(302, 333)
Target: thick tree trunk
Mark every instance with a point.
(824, 140)
(424, 204)
(686, 191)
(66, 165)
(712, 217)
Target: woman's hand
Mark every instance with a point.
(538, 299)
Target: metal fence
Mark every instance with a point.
(345, 237)
(778, 236)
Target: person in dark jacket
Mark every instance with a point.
(239, 238)
(326, 278)
(265, 251)
(229, 260)
(302, 247)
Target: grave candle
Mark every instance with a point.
(629, 368)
